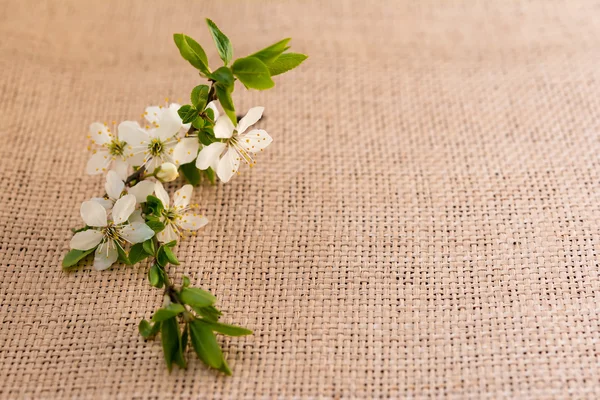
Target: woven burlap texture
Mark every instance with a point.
(425, 223)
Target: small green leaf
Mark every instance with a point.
(156, 226)
(74, 256)
(171, 341)
(123, 258)
(205, 137)
(253, 73)
(286, 62)
(170, 255)
(153, 205)
(156, 276)
(270, 54)
(199, 96)
(224, 76)
(192, 52)
(210, 313)
(186, 281)
(148, 331)
(198, 123)
(197, 297)
(149, 247)
(190, 173)
(172, 243)
(224, 368)
(221, 41)
(161, 257)
(187, 113)
(226, 102)
(226, 329)
(210, 174)
(137, 253)
(205, 344)
(170, 311)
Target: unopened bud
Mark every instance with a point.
(167, 172)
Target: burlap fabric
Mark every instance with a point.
(425, 223)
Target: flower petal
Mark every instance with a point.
(132, 133)
(186, 150)
(93, 214)
(142, 190)
(209, 155)
(121, 167)
(223, 127)
(106, 255)
(123, 208)
(106, 203)
(99, 133)
(86, 240)
(192, 222)
(169, 124)
(153, 114)
(253, 115)
(98, 163)
(136, 216)
(136, 232)
(114, 186)
(183, 196)
(161, 193)
(255, 140)
(167, 235)
(228, 165)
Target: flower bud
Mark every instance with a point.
(167, 172)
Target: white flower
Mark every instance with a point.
(187, 148)
(109, 234)
(180, 216)
(154, 146)
(224, 157)
(111, 151)
(167, 172)
(115, 188)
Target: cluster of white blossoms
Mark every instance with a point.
(154, 152)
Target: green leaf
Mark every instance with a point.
(170, 311)
(187, 113)
(192, 52)
(74, 256)
(225, 368)
(198, 123)
(210, 174)
(137, 253)
(149, 246)
(170, 255)
(197, 297)
(221, 41)
(199, 96)
(227, 103)
(148, 331)
(156, 276)
(156, 226)
(161, 257)
(224, 76)
(122, 255)
(171, 342)
(226, 329)
(253, 73)
(205, 344)
(186, 281)
(172, 243)
(154, 205)
(210, 313)
(190, 173)
(270, 54)
(206, 137)
(286, 62)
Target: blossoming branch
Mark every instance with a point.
(138, 221)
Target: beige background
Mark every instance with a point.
(425, 223)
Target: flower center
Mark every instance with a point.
(116, 148)
(156, 147)
(111, 232)
(170, 214)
